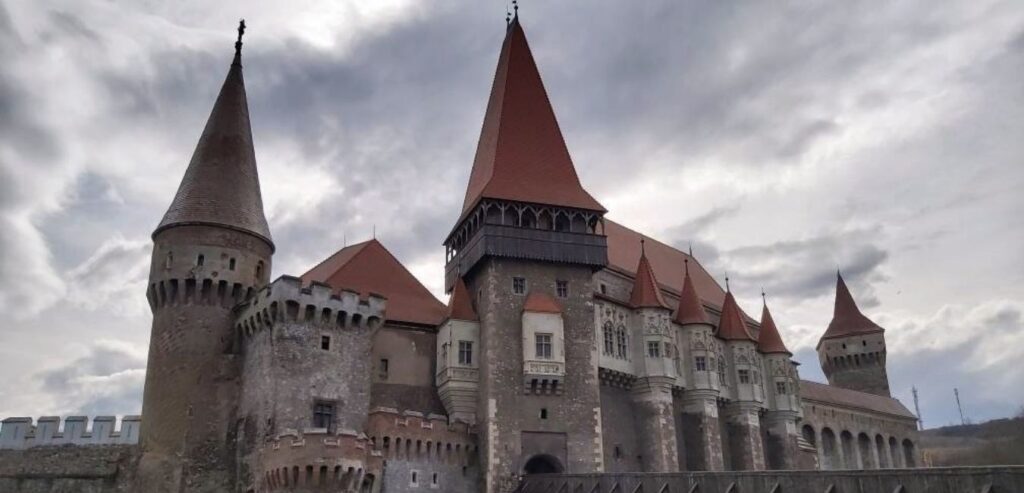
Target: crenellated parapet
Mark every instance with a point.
(413, 436)
(287, 300)
(20, 433)
(317, 459)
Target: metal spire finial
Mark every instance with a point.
(515, 7)
(763, 298)
(686, 266)
(691, 248)
(241, 31)
(508, 15)
(642, 250)
(727, 283)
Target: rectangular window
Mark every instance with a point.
(325, 343)
(609, 340)
(465, 353)
(621, 344)
(383, 369)
(700, 363)
(744, 376)
(543, 346)
(519, 285)
(780, 388)
(562, 289)
(323, 415)
(604, 289)
(721, 372)
(653, 349)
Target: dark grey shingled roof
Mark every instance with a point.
(221, 186)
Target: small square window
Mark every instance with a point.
(562, 289)
(543, 413)
(604, 289)
(744, 376)
(323, 415)
(543, 346)
(700, 363)
(325, 343)
(653, 349)
(519, 285)
(780, 388)
(465, 353)
(384, 369)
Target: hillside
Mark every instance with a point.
(996, 442)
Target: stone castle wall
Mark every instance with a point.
(22, 433)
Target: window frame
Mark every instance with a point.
(743, 375)
(518, 286)
(465, 353)
(562, 289)
(324, 409)
(653, 349)
(700, 363)
(543, 345)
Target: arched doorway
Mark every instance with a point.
(542, 464)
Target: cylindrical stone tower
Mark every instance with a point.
(211, 251)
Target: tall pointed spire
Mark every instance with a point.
(521, 155)
(221, 186)
(646, 293)
(690, 310)
(732, 327)
(846, 317)
(769, 340)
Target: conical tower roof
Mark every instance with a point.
(460, 306)
(847, 319)
(731, 327)
(221, 186)
(690, 310)
(769, 340)
(521, 154)
(646, 293)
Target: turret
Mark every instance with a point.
(211, 251)
(702, 356)
(655, 370)
(852, 350)
(782, 389)
(747, 391)
(458, 345)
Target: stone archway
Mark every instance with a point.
(542, 464)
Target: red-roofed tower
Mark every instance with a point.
(852, 350)
(529, 231)
(782, 399)
(743, 382)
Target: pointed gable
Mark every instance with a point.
(541, 303)
(731, 327)
(368, 267)
(460, 307)
(769, 340)
(646, 293)
(521, 154)
(221, 186)
(690, 310)
(846, 318)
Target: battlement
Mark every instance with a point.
(286, 300)
(20, 433)
(315, 457)
(413, 436)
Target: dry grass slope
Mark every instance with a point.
(996, 442)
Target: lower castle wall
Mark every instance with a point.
(84, 469)
(617, 425)
(937, 480)
(436, 476)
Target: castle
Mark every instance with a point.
(570, 343)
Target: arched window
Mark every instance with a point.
(259, 270)
(609, 339)
(199, 260)
(622, 342)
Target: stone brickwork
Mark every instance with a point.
(506, 411)
(1004, 479)
(79, 469)
(424, 453)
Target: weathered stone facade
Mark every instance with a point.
(568, 347)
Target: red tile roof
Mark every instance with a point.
(732, 326)
(690, 310)
(521, 154)
(847, 319)
(646, 291)
(541, 303)
(221, 186)
(828, 394)
(368, 267)
(460, 306)
(769, 341)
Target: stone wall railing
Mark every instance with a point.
(998, 479)
(21, 433)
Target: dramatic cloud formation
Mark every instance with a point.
(782, 141)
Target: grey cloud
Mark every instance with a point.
(107, 380)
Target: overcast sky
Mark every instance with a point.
(782, 139)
